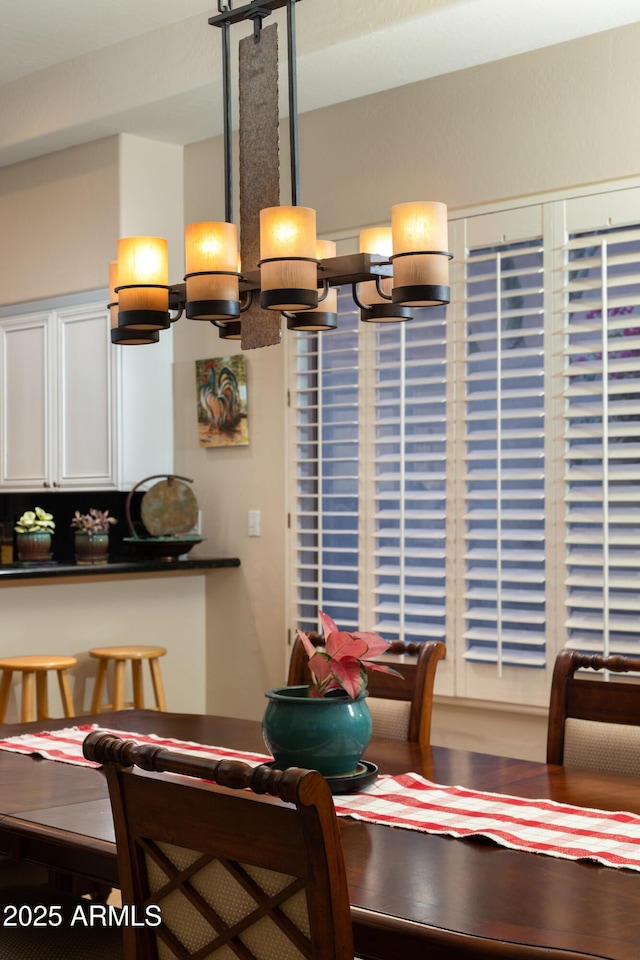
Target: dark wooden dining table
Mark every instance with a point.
(406, 887)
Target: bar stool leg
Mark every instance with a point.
(138, 684)
(5, 689)
(101, 677)
(65, 694)
(118, 685)
(28, 708)
(42, 696)
(156, 679)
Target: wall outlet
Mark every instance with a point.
(254, 523)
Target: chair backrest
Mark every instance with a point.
(210, 869)
(594, 724)
(400, 708)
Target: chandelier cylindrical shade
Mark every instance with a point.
(375, 307)
(231, 330)
(143, 283)
(288, 263)
(325, 315)
(124, 335)
(375, 240)
(211, 260)
(420, 253)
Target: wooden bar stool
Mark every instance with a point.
(120, 655)
(35, 696)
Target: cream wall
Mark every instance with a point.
(70, 618)
(62, 214)
(59, 219)
(245, 609)
(537, 122)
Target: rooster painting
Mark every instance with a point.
(222, 396)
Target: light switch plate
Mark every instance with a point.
(254, 523)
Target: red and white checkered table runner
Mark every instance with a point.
(413, 803)
(66, 745)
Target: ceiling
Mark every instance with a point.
(77, 70)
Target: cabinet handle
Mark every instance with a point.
(46, 484)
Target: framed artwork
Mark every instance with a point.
(221, 385)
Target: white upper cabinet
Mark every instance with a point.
(64, 420)
(27, 416)
(85, 439)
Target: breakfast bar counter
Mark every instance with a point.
(67, 609)
(18, 572)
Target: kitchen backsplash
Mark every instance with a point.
(63, 505)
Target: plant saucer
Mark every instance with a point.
(364, 774)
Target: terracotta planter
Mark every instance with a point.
(34, 547)
(91, 548)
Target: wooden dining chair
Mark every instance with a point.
(225, 870)
(400, 706)
(594, 723)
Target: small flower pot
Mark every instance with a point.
(91, 548)
(34, 547)
(328, 734)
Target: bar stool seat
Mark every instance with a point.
(35, 698)
(119, 656)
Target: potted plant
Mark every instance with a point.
(92, 535)
(327, 725)
(34, 529)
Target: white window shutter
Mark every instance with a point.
(326, 465)
(410, 456)
(602, 391)
(504, 430)
(473, 475)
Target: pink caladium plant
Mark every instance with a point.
(345, 660)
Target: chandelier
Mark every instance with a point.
(281, 270)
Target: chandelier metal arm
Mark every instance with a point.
(380, 291)
(356, 299)
(423, 253)
(355, 268)
(326, 286)
(247, 301)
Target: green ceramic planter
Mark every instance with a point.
(91, 548)
(328, 734)
(34, 547)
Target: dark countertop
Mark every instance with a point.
(47, 571)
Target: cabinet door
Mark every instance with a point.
(26, 413)
(86, 403)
